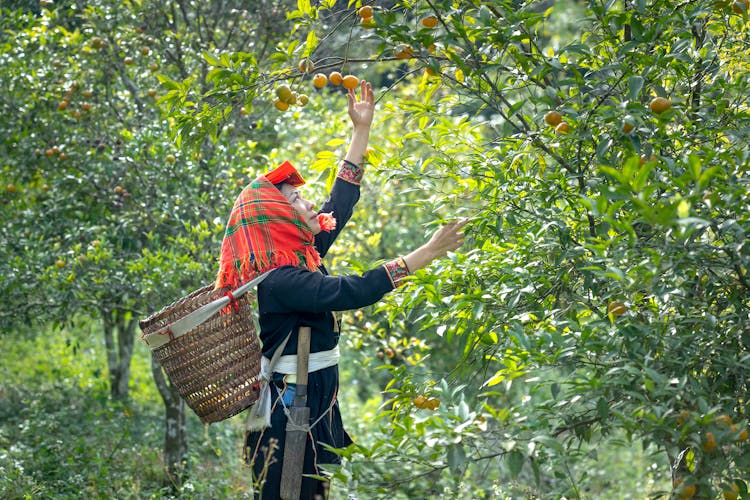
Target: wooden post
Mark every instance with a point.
(298, 425)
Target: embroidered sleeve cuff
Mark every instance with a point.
(397, 271)
(351, 172)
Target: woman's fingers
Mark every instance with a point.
(366, 93)
(449, 237)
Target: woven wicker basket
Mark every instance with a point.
(215, 365)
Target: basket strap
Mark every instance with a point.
(199, 316)
(259, 415)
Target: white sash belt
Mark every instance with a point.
(259, 416)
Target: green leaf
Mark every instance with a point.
(635, 84)
(304, 7)
(211, 59)
(695, 166)
(707, 175)
(515, 461)
(640, 179)
(602, 408)
(169, 83)
(456, 458)
(218, 74)
(311, 43)
(549, 442)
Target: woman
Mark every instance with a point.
(272, 227)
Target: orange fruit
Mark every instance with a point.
(154, 67)
(320, 80)
(171, 158)
(419, 401)
(430, 22)
(742, 436)
(403, 51)
(709, 442)
(365, 11)
(431, 48)
(62, 157)
(87, 94)
(243, 111)
(683, 416)
(432, 403)
(389, 352)
(10, 188)
(688, 491)
(302, 99)
(562, 128)
(684, 492)
(335, 78)
(145, 51)
(128, 61)
(732, 493)
(306, 66)
(741, 6)
(366, 21)
(724, 420)
(63, 105)
(628, 124)
(60, 263)
(350, 82)
(616, 308)
(553, 118)
(643, 160)
(281, 105)
(284, 93)
(49, 152)
(659, 105)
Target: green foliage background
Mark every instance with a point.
(544, 392)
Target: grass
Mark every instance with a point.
(62, 437)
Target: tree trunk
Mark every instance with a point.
(175, 428)
(119, 336)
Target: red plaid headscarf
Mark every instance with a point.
(264, 232)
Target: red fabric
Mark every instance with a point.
(285, 173)
(263, 232)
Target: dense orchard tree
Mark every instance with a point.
(600, 149)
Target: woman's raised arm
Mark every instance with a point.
(361, 113)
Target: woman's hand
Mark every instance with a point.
(446, 239)
(362, 111)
